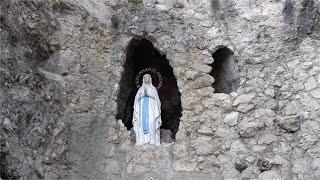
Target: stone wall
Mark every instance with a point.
(61, 66)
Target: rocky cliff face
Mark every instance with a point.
(244, 78)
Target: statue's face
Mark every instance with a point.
(147, 79)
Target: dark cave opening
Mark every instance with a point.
(225, 71)
(141, 55)
(3, 162)
(3, 174)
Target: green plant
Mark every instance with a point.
(315, 37)
(318, 13)
(136, 3)
(172, 17)
(178, 4)
(115, 21)
(184, 29)
(317, 26)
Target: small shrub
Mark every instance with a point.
(316, 36)
(115, 21)
(136, 3)
(184, 29)
(172, 17)
(178, 4)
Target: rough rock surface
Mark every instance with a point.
(61, 63)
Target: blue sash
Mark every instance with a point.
(145, 115)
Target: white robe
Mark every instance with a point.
(153, 137)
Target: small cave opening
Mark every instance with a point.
(225, 71)
(3, 164)
(141, 58)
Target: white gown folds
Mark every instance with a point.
(152, 134)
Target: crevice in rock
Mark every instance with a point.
(225, 71)
(141, 55)
(3, 161)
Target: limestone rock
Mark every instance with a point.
(291, 108)
(273, 174)
(316, 93)
(316, 163)
(267, 139)
(231, 118)
(269, 92)
(289, 123)
(249, 128)
(210, 161)
(300, 165)
(310, 83)
(243, 99)
(203, 145)
(7, 124)
(205, 130)
(238, 148)
(221, 99)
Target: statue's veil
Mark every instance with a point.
(144, 84)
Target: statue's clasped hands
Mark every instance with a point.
(146, 95)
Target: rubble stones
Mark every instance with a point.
(60, 68)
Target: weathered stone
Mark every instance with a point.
(232, 118)
(298, 86)
(210, 161)
(243, 99)
(267, 139)
(263, 113)
(238, 148)
(269, 92)
(316, 93)
(202, 68)
(289, 123)
(316, 163)
(244, 108)
(184, 165)
(300, 165)
(205, 130)
(194, 175)
(251, 172)
(7, 124)
(221, 99)
(249, 129)
(291, 108)
(310, 83)
(315, 70)
(224, 133)
(203, 145)
(273, 174)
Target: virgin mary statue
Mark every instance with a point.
(147, 114)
